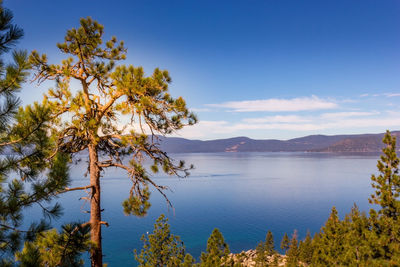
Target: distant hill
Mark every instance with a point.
(311, 143)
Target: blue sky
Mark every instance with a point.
(263, 69)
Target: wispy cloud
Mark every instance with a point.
(392, 94)
(278, 119)
(380, 95)
(278, 105)
(343, 122)
(340, 115)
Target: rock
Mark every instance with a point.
(248, 258)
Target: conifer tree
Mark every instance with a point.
(217, 251)
(359, 240)
(29, 173)
(89, 119)
(285, 243)
(269, 244)
(261, 255)
(265, 249)
(330, 241)
(162, 248)
(293, 251)
(306, 249)
(53, 249)
(387, 184)
(386, 221)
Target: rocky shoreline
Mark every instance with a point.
(248, 259)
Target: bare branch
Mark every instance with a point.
(67, 189)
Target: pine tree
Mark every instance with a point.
(53, 249)
(330, 243)
(261, 256)
(89, 120)
(358, 240)
(387, 184)
(269, 244)
(29, 171)
(293, 251)
(217, 251)
(285, 243)
(265, 249)
(162, 248)
(386, 221)
(306, 249)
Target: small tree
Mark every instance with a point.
(261, 257)
(269, 244)
(293, 251)
(89, 119)
(53, 249)
(162, 248)
(330, 243)
(217, 251)
(285, 243)
(306, 249)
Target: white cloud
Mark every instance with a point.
(339, 122)
(392, 94)
(278, 119)
(277, 105)
(338, 115)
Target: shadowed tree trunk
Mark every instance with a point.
(95, 208)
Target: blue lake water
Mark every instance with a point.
(242, 194)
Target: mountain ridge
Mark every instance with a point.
(311, 143)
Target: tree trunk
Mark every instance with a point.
(95, 208)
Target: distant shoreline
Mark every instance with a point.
(359, 143)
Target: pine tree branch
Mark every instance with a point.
(67, 189)
(109, 104)
(105, 223)
(23, 138)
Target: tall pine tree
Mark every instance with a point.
(386, 221)
(29, 171)
(89, 119)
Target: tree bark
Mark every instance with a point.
(95, 208)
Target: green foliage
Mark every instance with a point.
(261, 257)
(359, 240)
(285, 242)
(265, 249)
(162, 248)
(293, 251)
(53, 249)
(306, 249)
(387, 184)
(31, 173)
(137, 205)
(269, 244)
(217, 251)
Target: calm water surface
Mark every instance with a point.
(242, 194)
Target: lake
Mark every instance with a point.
(242, 194)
